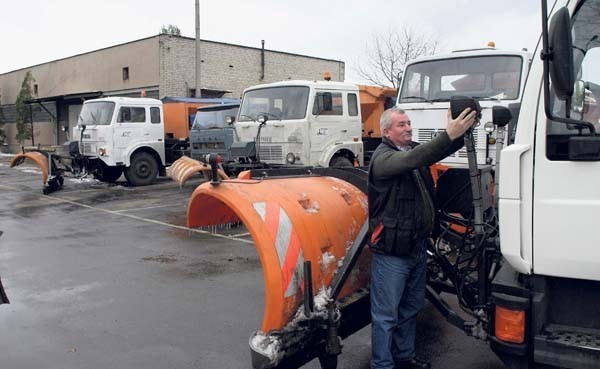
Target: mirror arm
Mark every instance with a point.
(546, 55)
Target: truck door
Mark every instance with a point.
(131, 128)
(567, 189)
(331, 123)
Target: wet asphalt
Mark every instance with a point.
(105, 276)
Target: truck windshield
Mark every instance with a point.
(496, 77)
(278, 103)
(97, 112)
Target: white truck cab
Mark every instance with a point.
(119, 134)
(494, 77)
(315, 123)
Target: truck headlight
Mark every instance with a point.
(290, 158)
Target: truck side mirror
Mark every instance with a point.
(230, 119)
(501, 116)
(262, 119)
(561, 47)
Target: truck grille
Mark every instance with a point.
(426, 134)
(271, 152)
(86, 148)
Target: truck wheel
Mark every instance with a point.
(340, 161)
(143, 169)
(108, 174)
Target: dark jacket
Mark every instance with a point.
(401, 193)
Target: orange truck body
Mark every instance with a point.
(372, 105)
(177, 115)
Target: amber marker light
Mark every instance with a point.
(510, 325)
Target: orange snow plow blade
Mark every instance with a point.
(185, 167)
(291, 220)
(37, 157)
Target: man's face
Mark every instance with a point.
(400, 131)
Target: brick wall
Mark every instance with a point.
(233, 68)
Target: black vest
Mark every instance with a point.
(403, 204)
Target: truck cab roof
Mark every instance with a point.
(129, 100)
(473, 52)
(311, 84)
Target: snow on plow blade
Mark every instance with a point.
(37, 157)
(185, 167)
(291, 220)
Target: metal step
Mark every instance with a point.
(568, 347)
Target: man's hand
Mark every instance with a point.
(457, 127)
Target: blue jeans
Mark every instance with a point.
(397, 295)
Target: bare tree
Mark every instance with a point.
(387, 54)
(171, 30)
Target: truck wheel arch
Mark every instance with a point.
(147, 149)
(341, 153)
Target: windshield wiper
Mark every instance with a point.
(94, 120)
(247, 116)
(270, 115)
(423, 99)
(414, 97)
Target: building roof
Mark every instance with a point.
(74, 96)
(164, 35)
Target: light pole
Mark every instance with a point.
(198, 58)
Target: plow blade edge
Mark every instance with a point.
(37, 157)
(185, 167)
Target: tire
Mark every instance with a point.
(143, 169)
(340, 161)
(108, 174)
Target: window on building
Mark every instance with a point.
(191, 92)
(132, 115)
(125, 73)
(155, 115)
(35, 89)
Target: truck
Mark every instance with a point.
(519, 253)
(137, 137)
(495, 77)
(297, 124)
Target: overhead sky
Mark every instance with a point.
(37, 31)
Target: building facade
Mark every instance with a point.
(161, 66)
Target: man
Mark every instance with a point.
(401, 218)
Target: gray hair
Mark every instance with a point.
(386, 118)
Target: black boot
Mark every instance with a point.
(414, 363)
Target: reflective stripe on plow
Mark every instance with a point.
(287, 244)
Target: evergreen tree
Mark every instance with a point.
(24, 124)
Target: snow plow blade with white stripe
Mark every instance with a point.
(308, 226)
